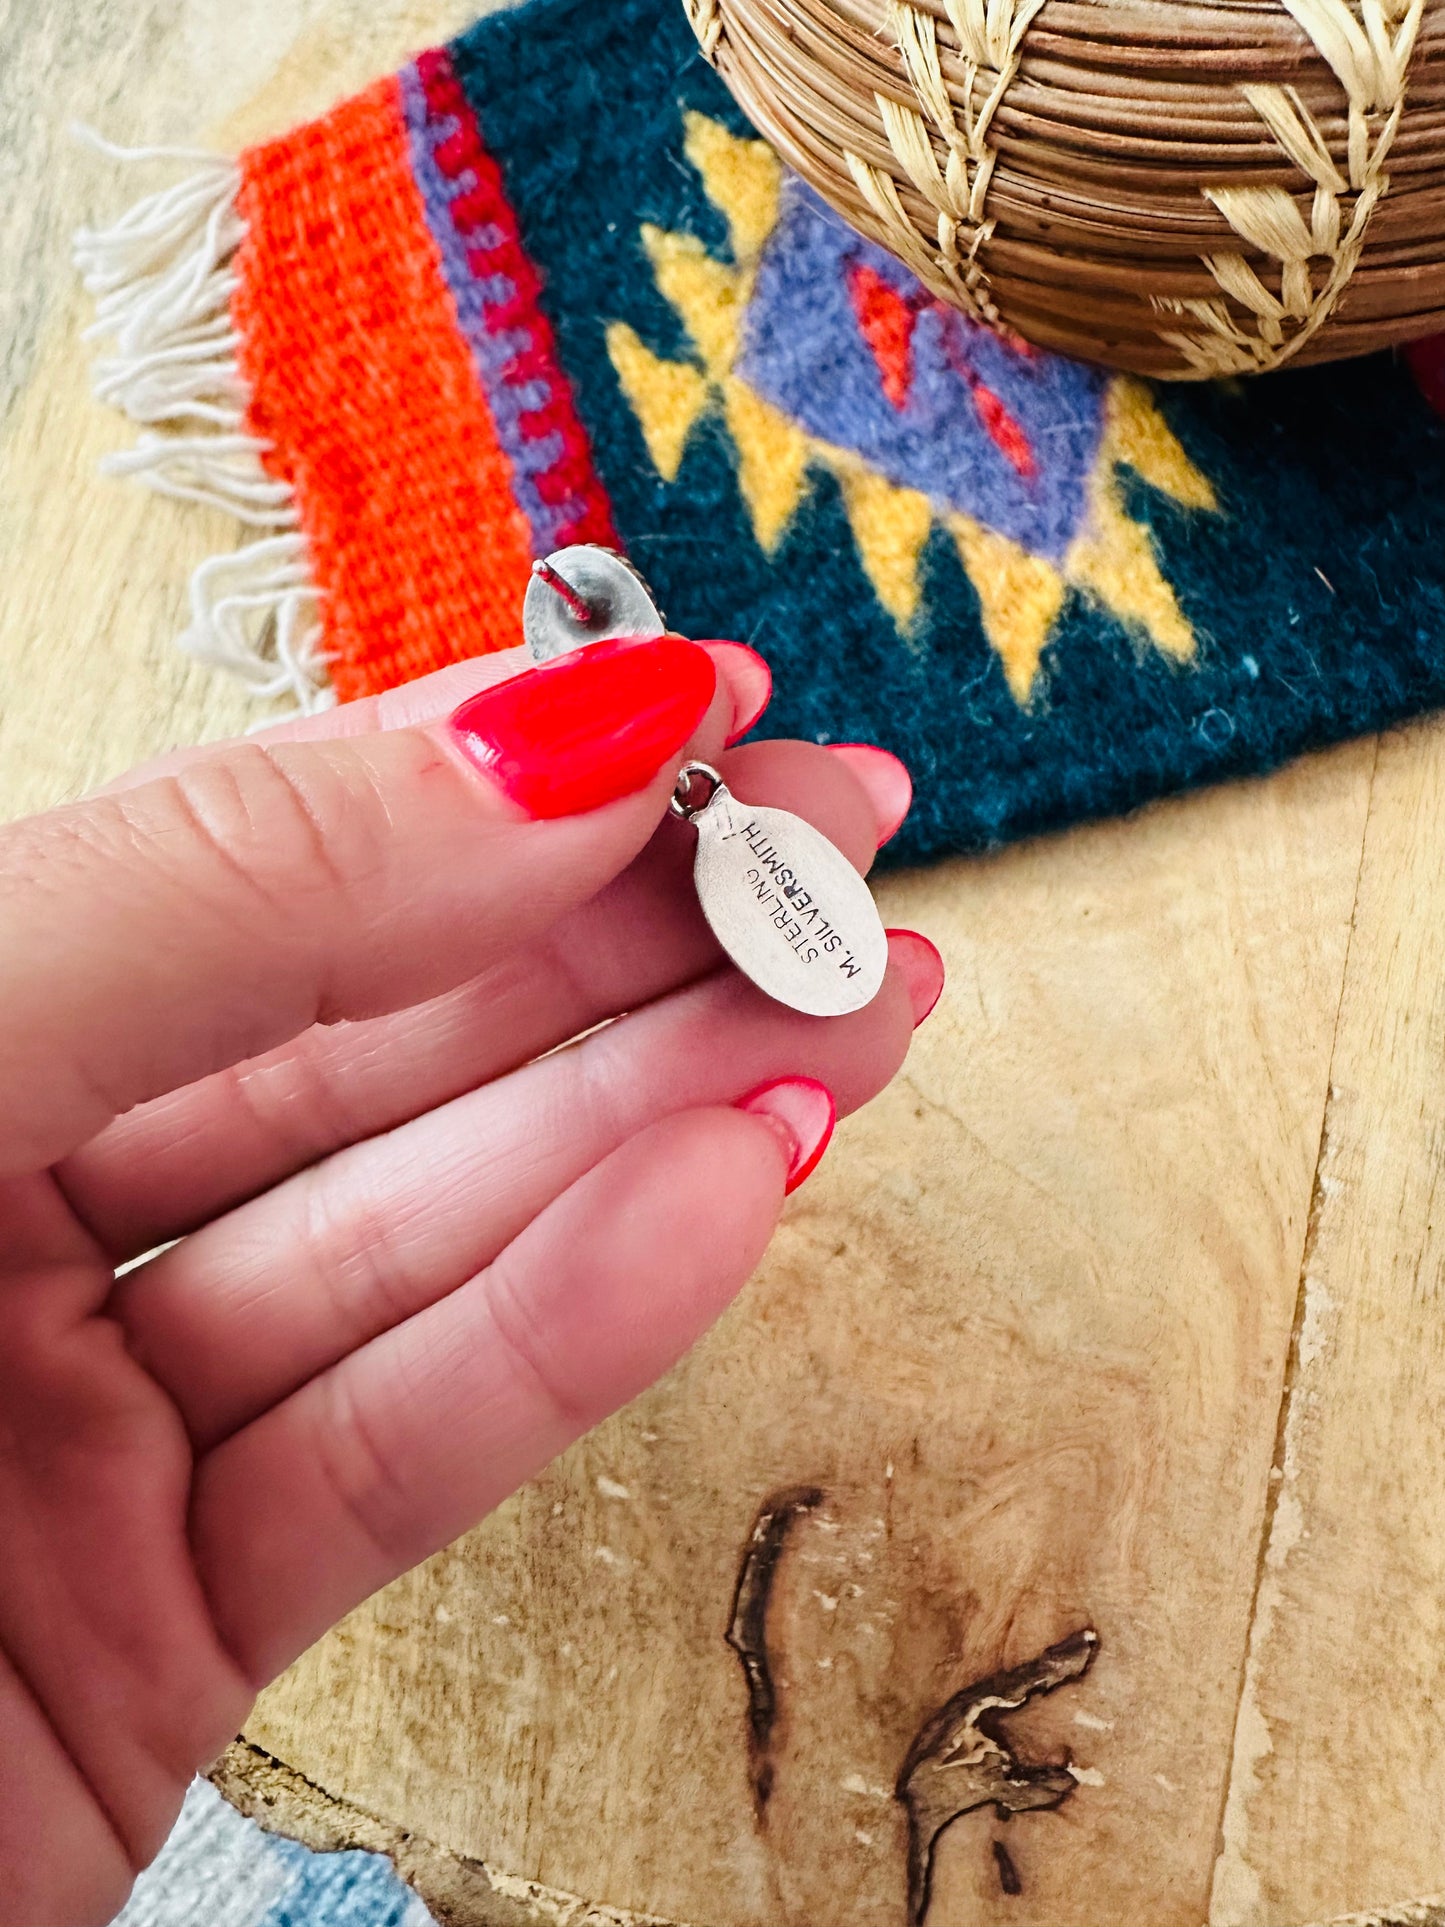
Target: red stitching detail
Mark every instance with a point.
(485, 222)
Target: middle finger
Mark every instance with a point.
(179, 1161)
(234, 1319)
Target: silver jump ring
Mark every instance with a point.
(682, 805)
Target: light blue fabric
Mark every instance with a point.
(220, 1870)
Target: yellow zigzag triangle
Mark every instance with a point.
(1019, 598)
(743, 179)
(708, 295)
(1114, 556)
(772, 460)
(890, 526)
(667, 397)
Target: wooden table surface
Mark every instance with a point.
(1122, 1309)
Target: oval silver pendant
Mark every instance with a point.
(785, 904)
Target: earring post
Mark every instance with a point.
(560, 586)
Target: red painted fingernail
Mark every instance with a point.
(748, 678)
(889, 786)
(922, 968)
(590, 727)
(802, 1112)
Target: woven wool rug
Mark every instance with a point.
(546, 286)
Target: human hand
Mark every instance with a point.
(295, 1003)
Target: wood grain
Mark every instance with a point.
(1339, 1774)
(1027, 1333)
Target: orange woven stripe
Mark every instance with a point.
(362, 383)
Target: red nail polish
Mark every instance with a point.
(889, 786)
(922, 968)
(803, 1113)
(750, 680)
(590, 727)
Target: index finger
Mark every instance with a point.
(742, 670)
(153, 936)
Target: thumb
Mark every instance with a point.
(150, 937)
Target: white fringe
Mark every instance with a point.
(163, 280)
(253, 614)
(218, 471)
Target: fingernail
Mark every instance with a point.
(802, 1112)
(922, 968)
(889, 786)
(590, 727)
(749, 680)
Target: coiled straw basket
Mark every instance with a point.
(1183, 188)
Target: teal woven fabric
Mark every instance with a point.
(1054, 592)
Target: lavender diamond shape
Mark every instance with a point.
(1003, 434)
